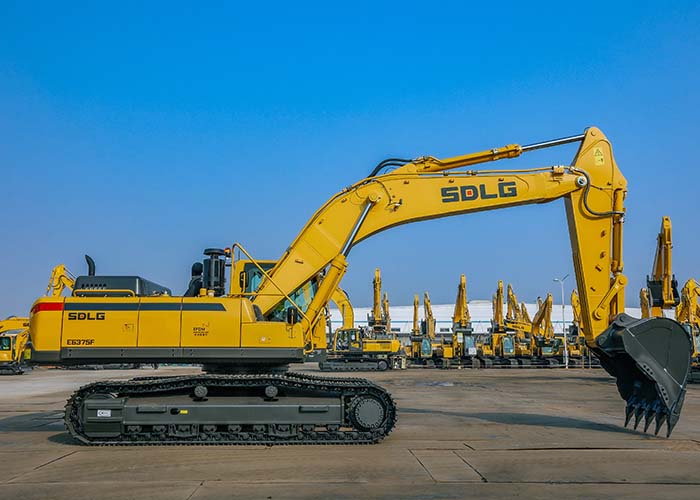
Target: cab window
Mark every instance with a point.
(5, 344)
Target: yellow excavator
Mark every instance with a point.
(246, 341)
(364, 349)
(15, 341)
(547, 347)
(498, 346)
(445, 350)
(416, 338)
(576, 342)
(518, 320)
(379, 320)
(688, 314)
(463, 339)
(661, 292)
(426, 348)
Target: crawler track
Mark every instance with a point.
(368, 413)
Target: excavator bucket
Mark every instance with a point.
(650, 359)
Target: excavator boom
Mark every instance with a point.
(461, 317)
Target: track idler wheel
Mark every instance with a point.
(367, 413)
(650, 359)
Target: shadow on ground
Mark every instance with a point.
(33, 422)
(527, 419)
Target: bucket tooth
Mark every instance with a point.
(629, 411)
(649, 417)
(638, 412)
(673, 417)
(660, 419)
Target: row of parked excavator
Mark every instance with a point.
(514, 338)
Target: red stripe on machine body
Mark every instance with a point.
(47, 306)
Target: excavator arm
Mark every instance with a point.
(649, 358)
(429, 320)
(645, 303)
(516, 319)
(524, 313)
(576, 309)
(688, 310)
(688, 313)
(498, 321)
(542, 322)
(461, 318)
(60, 280)
(340, 298)
(513, 306)
(415, 330)
(376, 298)
(386, 317)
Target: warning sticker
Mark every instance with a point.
(598, 157)
(104, 413)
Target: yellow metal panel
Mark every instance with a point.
(45, 325)
(272, 334)
(100, 322)
(212, 322)
(159, 322)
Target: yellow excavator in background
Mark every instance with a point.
(379, 320)
(15, 338)
(547, 347)
(577, 335)
(688, 314)
(61, 279)
(645, 303)
(576, 341)
(428, 348)
(447, 348)
(463, 339)
(260, 334)
(497, 347)
(661, 292)
(484, 341)
(425, 345)
(372, 348)
(518, 320)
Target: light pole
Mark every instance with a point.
(563, 322)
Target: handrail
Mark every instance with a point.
(267, 276)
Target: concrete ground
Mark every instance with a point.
(461, 433)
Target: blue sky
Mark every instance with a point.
(141, 134)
